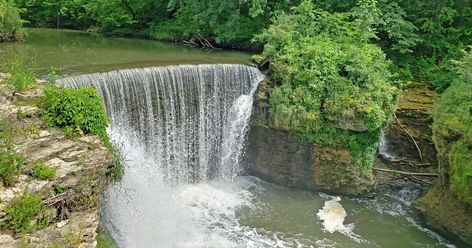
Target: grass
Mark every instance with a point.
(118, 170)
(10, 161)
(104, 239)
(42, 171)
(22, 210)
(22, 77)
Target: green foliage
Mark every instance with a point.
(442, 29)
(10, 161)
(75, 110)
(118, 170)
(452, 129)
(22, 77)
(22, 210)
(224, 23)
(59, 189)
(104, 239)
(10, 21)
(332, 86)
(42, 171)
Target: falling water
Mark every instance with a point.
(182, 129)
(191, 119)
(383, 148)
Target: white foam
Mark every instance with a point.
(333, 214)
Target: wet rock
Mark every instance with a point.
(6, 240)
(62, 223)
(349, 121)
(78, 231)
(280, 157)
(445, 213)
(28, 95)
(4, 75)
(334, 170)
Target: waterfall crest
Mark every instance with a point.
(192, 119)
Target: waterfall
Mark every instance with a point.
(192, 119)
(383, 149)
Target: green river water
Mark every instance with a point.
(79, 52)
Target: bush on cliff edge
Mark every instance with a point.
(452, 131)
(331, 85)
(75, 111)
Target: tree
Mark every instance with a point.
(331, 86)
(10, 21)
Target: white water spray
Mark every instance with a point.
(183, 130)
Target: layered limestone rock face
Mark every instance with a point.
(70, 198)
(412, 123)
(284, 158)
(407, 144)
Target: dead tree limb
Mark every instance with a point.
(413, 139)
(408, 173)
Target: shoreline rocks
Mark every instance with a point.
(71, 196)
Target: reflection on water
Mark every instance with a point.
(79, 52)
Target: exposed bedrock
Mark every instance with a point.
(69, 198)
(412, 123)
(282, 157)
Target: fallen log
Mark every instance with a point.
(408, 173)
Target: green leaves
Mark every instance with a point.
(22, 77)
(75, 110)
(22, 210)
(333, 87)
(10, 21)
(452, 130)
(10, 161)
(42, 171)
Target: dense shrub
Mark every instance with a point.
(42, 171)
(75, 110)
(331, 86)
(22, 210)
(452, 130)
(10, 21)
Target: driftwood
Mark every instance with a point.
(401, 161)
(190, 42)
(413, 139)
(408, 173)
(55, 199)
(205, 42)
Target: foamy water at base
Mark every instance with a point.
(144, 211)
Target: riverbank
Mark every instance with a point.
(52, 197)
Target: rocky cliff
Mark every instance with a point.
(447, 207)
(285, 158)
(67, 213)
